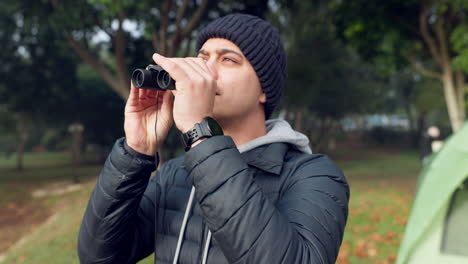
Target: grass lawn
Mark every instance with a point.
(382, 187)
(55, 241)
(382, 190)
(48, 226)
(20, 213)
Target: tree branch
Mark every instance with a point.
(423, 71)
(195, 20)
(184, 33)
(180, 13)
(443, 47)
(164, 17)
(91, 60)
(175, 40)
(98, 23)
(426, 35)
(88, 58)
(119, 51)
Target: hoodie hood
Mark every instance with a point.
(279, 130)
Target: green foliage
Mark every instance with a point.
(101, 112)
(388, 35)
(459, 41)
(113, 7)
(429, 96)
(40, 74)
(323, 75)
(7, 122)
(459, 4)
(391, 29)
(381, 32)
(38, 69)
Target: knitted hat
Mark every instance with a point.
(261, 44)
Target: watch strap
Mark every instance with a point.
(199, 131)
(193, 135)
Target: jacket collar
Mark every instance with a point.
(268, 158)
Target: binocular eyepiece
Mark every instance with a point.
(153, 77)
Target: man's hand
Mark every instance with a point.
(194, 99)
(140, 116)
(195, 89)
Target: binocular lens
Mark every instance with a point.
(138, 77)
(153, 77)
(164, 79)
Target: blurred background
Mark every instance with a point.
(366, 79)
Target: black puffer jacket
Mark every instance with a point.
(272, 204)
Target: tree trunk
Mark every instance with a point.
(460, 92)
(448, 78)
(438, 44)
(456, 116)
(23, 135)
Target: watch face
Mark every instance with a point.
(215, 128)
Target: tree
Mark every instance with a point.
(325, 80)
(429, 35)
(36, 71)
(419, 98)
(40, 40)
(163, 26)
(80, 23)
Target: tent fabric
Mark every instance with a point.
(428, 250)
(455, 239)
(444, 175)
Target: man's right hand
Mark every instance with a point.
(140, 117)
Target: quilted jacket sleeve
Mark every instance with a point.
(305, 226)
(118, 224)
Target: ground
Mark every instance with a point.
(382, 185)
(44, 230)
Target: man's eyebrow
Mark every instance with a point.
(222, 51)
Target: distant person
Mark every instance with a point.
(431, 143)
(247, 190)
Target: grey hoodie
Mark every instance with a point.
(278, 130)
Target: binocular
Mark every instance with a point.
(153, 77)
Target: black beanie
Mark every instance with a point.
(261, 44)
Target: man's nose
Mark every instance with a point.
(212, 66)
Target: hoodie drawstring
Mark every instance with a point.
(207, 247)
(184, 225)
(188, 209)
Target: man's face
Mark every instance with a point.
(239, 90)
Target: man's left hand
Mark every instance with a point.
(195, 89)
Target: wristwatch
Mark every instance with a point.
(208, 127)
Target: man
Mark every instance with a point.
(253, 195)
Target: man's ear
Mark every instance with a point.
(262, 98)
